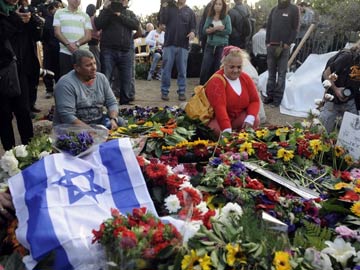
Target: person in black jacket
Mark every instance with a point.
(51, 48)
(21, 29)
(116, 45)
(281, 30)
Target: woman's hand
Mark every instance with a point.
(246, 125)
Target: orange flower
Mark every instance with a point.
(154, 134)
(167, 131)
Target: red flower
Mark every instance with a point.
(141, 161)
(207, 219)
(189, 196)
(346, 176)
(128, 239)
(201, 151)
(173, 183)
(272, 195)
(157, 172)
(350, 195)
(115, 212)
(138, 213)
(254, 184)
(98, 234)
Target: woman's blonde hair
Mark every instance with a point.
(234, 53)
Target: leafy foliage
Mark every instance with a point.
(312, 235)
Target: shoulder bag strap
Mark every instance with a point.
(217, 76)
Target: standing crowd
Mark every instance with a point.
(78, 45)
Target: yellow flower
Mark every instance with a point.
(339, 151)
(349, 160)
(243, 135)
(234, 255)
(189, 260)
(261, 133)
(316, 146)
(340, 185)
(121, 129)
(148, 124)
(211, 205)
(132, 126)
(205, 262)
(286, 155)
(247, 147)
(282, 261)
(356, 209)
(281, 131)
(357, 189)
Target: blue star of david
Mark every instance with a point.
(75, 193)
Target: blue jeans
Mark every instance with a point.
(122, 60)
(277, 64)
(155, 60)
(170, 55)
(210, 62)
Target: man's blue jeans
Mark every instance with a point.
(277, 65)
(155, 60)
(170, 55)
(122, 60)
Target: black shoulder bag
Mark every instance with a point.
(9, 78)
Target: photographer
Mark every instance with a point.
(116, 46)
(345, 88)
(22, 30)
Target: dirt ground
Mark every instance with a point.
(148, 94)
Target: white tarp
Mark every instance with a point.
(302, 87)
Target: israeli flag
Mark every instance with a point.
(60, 199)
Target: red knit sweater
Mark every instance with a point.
(227, 104)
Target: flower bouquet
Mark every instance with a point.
(138, 241)
(78, 140)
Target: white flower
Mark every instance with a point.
(316, 122)
(14, 171)
(326, 84)
(43, 154)
(20, 151)
(315, 112)
(329, 97)
(230, 210)
(340, 250)
(318, 260)
(9, 162)
(189, 229)
(305, 124)
(50, 140)
(172, 203)
(357, 257)
(185, 184)
(318, 101)
(202, 206)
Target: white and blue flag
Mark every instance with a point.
(60, 199)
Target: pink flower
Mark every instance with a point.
(344, 231)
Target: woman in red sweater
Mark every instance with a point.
(236, 103)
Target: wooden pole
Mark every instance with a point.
(301, 44)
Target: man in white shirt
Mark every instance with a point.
(155, 40)
(259, 50)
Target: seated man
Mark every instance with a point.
(155, 40)
(82, 94)
(344, 87)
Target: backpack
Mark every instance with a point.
(247, 25)
(198, 106)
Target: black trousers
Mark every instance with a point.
(51, 62)
(20, 108)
